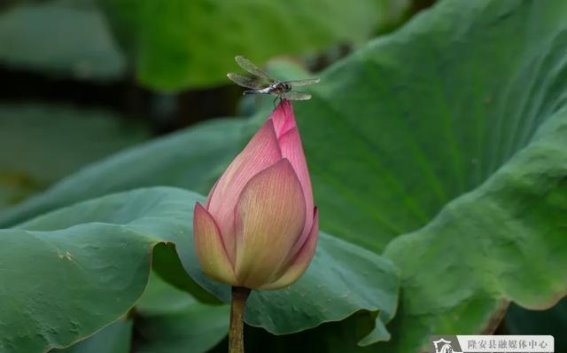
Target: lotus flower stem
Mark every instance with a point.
(235, 331)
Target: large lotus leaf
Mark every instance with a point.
(51, 142)
(73, 271)
(191, 159)
(190, 43)
(61, 38)
(505, 240)
(67, 251)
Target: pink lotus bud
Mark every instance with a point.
(259, 227)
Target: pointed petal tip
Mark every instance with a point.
(198, 210)
(283, 118)
(284, 104)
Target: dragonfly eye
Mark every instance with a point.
(287, 86)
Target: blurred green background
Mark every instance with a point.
(109, 74)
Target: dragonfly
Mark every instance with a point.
(261, 83)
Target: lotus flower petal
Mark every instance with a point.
(292, 149)
(300, 261)
(260, 153)
(210, 248)
(270, 218)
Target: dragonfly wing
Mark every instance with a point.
(251, 68)
(298, 83)
(295, 96)
(248, 82)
